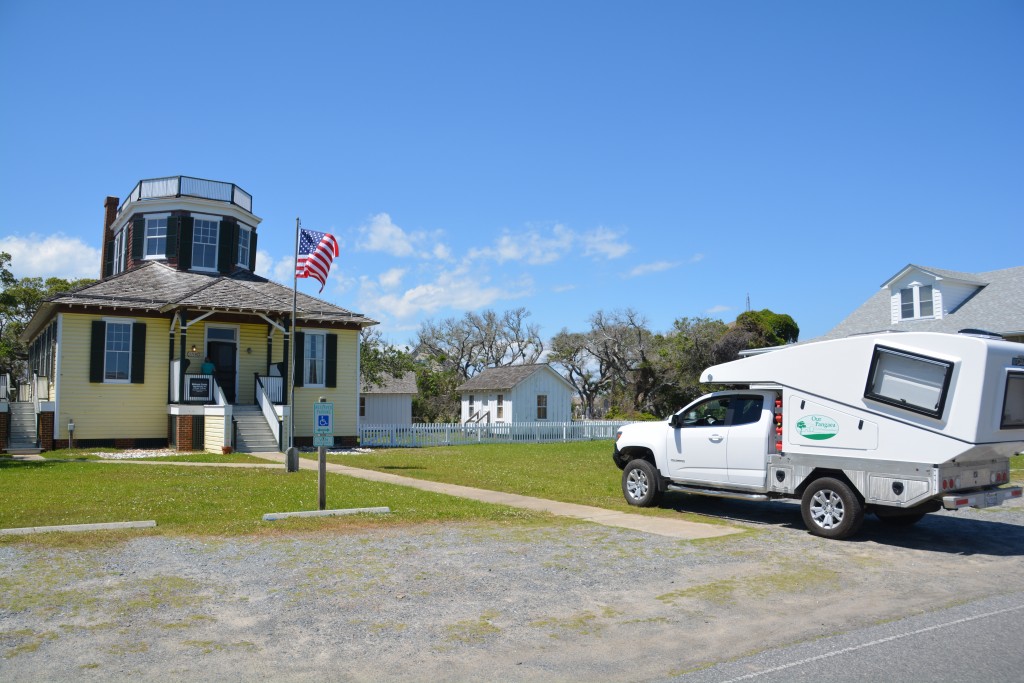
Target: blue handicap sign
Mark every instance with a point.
(324, 420)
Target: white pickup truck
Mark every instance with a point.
(898, 424)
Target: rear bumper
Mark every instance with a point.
(981, 499)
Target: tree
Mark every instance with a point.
(19, 300)
(379, 360)
(570, 351)
(476, 341)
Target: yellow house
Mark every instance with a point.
(181, 343)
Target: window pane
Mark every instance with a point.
(925, 295)
(156, 236)
(1013, 404)
(912, 382)
(746, 410)
(204, 243)
(243, 247)
(315, 345)
(906, 304)
(118, 351)
(542, 407)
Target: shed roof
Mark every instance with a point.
(405, 384)
(503, 378)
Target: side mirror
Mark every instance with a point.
(676, 421)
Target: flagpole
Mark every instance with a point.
(293, 454)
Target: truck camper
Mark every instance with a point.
(897, 424)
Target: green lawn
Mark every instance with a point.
(201, 456)
(576, 472)
(210, 500)
(1017, 469)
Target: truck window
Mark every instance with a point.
(1013, 402)
(746, 410)
(909, 381)
(724, 411)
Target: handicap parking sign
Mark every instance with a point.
(323, 419)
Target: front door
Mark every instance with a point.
(222, 354)
(697, 449)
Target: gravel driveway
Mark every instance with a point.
(558, 602)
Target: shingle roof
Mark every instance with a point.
(998, 306)
(406, 384)
(969, 278)
(158, 288)
(500, 378)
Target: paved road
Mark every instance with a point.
(978, 641)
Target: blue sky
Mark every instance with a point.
(561, 156)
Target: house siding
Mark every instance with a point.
(346, 404)
(112, 411)
(213, 433)
(524, 398)
(387, 409)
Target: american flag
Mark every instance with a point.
(316, 252)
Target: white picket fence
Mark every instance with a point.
(454, 434)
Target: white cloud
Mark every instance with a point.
(531, 246)
(604, 242)
(648, 268)
(51, 256)
(696, 258)
(718, 309)
(563, 288)
(381, 234)
(391, 278)
(456, 289)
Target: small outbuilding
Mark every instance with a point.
(388, 403)
(517, 393)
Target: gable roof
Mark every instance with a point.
(406, 384)
(504, 378)
(968, 278)
(157, 288)
(998, 306)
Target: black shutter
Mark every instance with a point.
(331, 362)
(139, 353)
(96, 350)
(172, 236)
(227, 246)
(300, 351)
(138, 238)
(252, 251)
(185, 224)
(108, 259)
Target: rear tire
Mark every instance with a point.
(641, 484)
(831, 509)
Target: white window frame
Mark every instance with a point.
(145, 247)
(914, 290)
(307, 357)
(247, 231)
(110, 322)
(542, 404)
(500, 408)
(196, 217)
(362, 406)
(119, 251)
(471, 402)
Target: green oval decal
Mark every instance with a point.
(817, 427)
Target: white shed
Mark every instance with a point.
(517, 393)
(389, 403)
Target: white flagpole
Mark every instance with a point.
(292, 453)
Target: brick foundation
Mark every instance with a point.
(184, 433)
(45, 426)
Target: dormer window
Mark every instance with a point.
(916, 302)
(156, 236)
(204, 242)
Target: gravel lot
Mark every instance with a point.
(566, 601)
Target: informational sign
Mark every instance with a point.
(323, 419)
(200, 388)
(323, 440)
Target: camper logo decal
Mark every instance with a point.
(817, 427)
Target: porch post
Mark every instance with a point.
(182, 334)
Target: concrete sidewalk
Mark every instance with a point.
(662, 526)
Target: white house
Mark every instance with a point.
(389, 403)
(517, 393)
(924, 299)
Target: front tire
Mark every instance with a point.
(640, 484)
(831, 509)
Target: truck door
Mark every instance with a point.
(749, 422)
(697, 446)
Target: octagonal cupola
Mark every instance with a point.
(190, 224)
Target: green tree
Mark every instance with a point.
(379, 360)
(19, 300)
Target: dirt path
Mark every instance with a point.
(563, 602)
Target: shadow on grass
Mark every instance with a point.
(402, 467)
(956, 533)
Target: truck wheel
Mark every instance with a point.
(831, 509)
(640, 484)
(895, 519)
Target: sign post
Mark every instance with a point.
(323, 436)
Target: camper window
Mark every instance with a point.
(909, 381)
(1013, 402)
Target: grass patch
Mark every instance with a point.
(474, 630)
(576, 472)
(208, 501)
(99, 452)
(789, 580)
(1017, 469)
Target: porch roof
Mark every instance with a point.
(157, 288)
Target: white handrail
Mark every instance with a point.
(266, 405)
